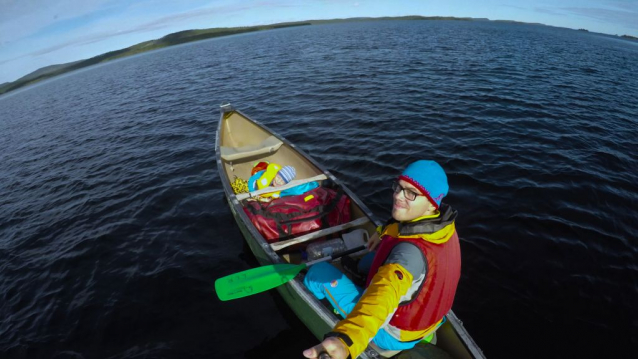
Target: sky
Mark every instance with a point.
(39, 33)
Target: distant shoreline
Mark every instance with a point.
(186, 36)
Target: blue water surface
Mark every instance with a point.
(113, 223)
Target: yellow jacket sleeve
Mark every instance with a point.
(378, 302)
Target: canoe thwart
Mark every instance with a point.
(291, 184)
(266, 147)
(314, 235)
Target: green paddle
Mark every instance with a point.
(261, 279)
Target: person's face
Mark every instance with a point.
(406, 210)
(278, 181)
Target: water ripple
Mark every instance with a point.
(113, 222)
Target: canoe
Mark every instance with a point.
(241, 142)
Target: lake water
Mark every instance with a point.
(113, 223)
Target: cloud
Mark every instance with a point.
(624, 14)
(12, 59)
(630, 5)
(114, 29)
(544, 10)
(19, 19)
(514, 6)
(627, 18)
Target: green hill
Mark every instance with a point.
(182, 37)
(168, 40)
(46, 70)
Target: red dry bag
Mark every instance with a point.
(297, 215)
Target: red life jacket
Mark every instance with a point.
(434, 298)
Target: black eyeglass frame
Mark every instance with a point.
(409, 194)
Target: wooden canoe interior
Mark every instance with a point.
(239, 132)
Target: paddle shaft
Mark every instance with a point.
(338, 255)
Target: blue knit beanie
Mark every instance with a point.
(429, 178)
(287, 173)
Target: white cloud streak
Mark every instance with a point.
(614, 12)
(19, 19)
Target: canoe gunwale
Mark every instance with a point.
(465, 337)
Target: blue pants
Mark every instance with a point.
(326, 281)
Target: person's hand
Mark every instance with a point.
(333, 346)
(374, 241)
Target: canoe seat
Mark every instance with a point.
(267, 146)
(320, 233)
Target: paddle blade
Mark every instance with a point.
(255, 280)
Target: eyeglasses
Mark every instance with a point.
(409, 194)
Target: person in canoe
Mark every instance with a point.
(412, 279)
